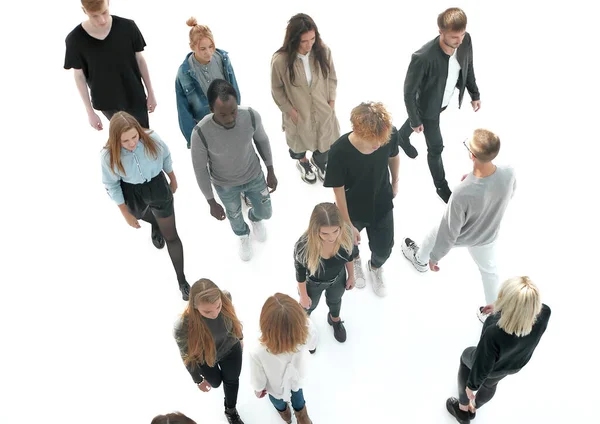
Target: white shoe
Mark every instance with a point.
(320, 173)
(376, 276)
(482, 317)
(307, 173)
(410, 250)
(245, 248)
(259, 230)
(359, 276)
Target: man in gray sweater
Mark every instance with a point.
(472, 217)
(222, 147)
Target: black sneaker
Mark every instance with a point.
(339, 331)
(232, 416)
(184, 287)
(157, 239)
(444, 193)
(461, 416)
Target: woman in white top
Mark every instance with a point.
(278, 363)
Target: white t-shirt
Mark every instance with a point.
(306, 61)
(281, 374)
(453, 73)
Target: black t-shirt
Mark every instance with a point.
(366, 178)
(330, 267)
(109, 65)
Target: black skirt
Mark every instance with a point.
(154, 196)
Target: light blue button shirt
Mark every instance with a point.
(139, 167)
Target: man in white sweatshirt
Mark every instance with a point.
(472, 217)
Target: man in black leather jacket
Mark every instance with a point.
(435, 70)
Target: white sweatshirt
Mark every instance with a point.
(280, 374)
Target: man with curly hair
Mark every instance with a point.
(358, 170)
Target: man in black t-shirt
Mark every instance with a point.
(357, 170)
(105, 53)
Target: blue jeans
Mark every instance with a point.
(297, 401)
(257, 191)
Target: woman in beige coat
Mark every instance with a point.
(303, 85)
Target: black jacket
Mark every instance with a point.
(426, 79)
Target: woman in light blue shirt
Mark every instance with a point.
(133, 162)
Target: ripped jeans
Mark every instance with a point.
(257, 191)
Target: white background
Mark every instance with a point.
(88, 303)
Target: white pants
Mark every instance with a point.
(484, 256)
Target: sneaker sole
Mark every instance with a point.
(413, 264)
(322, 179)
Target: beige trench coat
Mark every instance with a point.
(318, 127)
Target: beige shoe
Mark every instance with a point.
(302, 416)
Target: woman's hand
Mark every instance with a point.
(294, 116)
(350, 283)
(173, 185)
(131, 220)
(260, 394)
(470, 394)
(205, 386)
(305, 302)
(356, 235)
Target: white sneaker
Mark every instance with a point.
(306, 172)
(410, 250)
(376, 276)
(320, 173)
(245, 248)
(359, 276)
(259, 230)
(482, 317)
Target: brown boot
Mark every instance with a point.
(286, 415)
(302, 416)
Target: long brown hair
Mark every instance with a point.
(119, 123)
(323, 215)
(201, 346)
(283, 324)
(298, 25)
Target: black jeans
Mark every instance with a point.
(488, 388)
(435, 146)
(381, 238)
(141, 114)
(319, 157)
(333, 293)
(227, 370)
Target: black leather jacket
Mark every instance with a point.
(426, 79)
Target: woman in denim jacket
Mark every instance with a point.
(200, 67)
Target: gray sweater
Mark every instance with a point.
(474, 211)
(231, 158)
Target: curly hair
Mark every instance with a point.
(372, 122)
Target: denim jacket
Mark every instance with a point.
(192, 103)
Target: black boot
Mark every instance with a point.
(232, 416)
(184, 287)
(461, 416)
(339, 331)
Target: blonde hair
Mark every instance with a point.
(323, 215)
(519, 305)
(485, 145)
(283, 324)
(120, 123)
(198, 32)
(200, 342)
(371, 122)
(453, 19)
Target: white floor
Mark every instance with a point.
(88, 303)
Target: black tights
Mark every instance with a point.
(174, 246)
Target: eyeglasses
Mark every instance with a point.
(467, 147)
